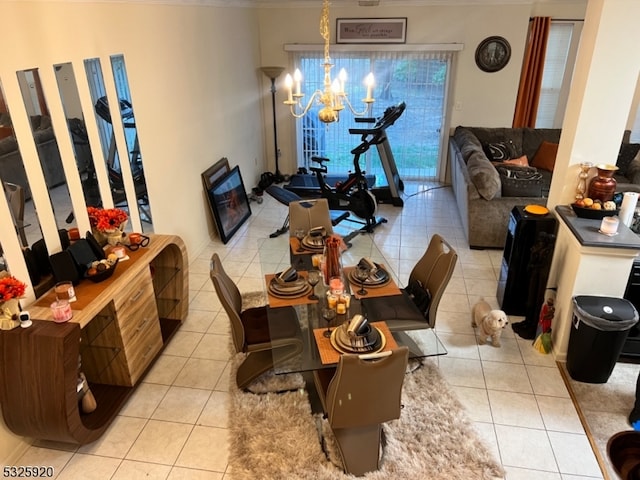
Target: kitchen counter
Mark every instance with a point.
(586, 231)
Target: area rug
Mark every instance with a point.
(276, 436)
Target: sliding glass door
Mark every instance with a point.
(419, 79)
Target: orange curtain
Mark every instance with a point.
(531, 76)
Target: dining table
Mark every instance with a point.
(322, 352)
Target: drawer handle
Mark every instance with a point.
(137, 295)
(149, 350)
(142, 324)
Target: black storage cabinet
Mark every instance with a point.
(599, 329)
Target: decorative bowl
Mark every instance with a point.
(101, 276)
(593, 214)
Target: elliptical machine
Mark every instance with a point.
(353, 194)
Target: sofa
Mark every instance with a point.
(519, 172)
(11, 166)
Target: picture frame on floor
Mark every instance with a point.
(229, 203)
(215, 172)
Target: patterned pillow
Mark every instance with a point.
(501, 151)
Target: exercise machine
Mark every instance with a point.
(308, 185)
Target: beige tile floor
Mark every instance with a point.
(174, 426)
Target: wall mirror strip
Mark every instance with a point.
(90, 162)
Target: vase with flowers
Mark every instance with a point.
(11, 290)
(107, 224)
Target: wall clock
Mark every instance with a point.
(493, 54)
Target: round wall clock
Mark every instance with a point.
(493, 54)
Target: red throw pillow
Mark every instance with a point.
(545, 157)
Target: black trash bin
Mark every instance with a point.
(599, 329)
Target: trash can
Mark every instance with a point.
(599, 329)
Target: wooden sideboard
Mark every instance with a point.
(119, 327)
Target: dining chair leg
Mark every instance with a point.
(359, 448)
(257, 363)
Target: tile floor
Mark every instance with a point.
(174, 426)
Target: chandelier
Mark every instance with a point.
(333, 97)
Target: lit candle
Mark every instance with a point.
(342, 76)
(609, 225)
(335, 88)
(288, 84)
(297, 77)
(369, 82)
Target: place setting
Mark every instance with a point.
(291, 287)
(368, 278)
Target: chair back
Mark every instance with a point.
(366, 390)
(230, 298)
(434, 270)
(306, 214)
(16, 200)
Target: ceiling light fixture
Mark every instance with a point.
(333, 97)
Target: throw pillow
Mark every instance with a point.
(627, 152)
(520, 181)
(522, 161)
(545, 157)
(500, 151)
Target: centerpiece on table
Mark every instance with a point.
(107, 224)
(11, 290)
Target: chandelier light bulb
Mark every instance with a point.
(332, 97)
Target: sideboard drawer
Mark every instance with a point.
(142, 348)
(139, 293)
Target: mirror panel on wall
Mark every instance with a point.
(46, 146)
(100, 101)
(15, 182)
(68, 90)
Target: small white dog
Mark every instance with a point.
(490, 322)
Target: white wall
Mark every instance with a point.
(486, 99)
(194, 82)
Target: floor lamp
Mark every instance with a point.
(273, 73)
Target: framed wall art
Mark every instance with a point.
(371, 30)
(229, 203)
(215, 172)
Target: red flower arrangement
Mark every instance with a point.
(106, 220)
(11, 287)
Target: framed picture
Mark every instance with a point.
(371, 30)
(215, 172)
(229, 203)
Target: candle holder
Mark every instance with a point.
(581, 188)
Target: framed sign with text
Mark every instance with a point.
(371, 30)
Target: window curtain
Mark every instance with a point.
(531, 75)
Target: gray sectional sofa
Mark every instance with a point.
(485, 198)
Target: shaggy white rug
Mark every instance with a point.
(275, 435)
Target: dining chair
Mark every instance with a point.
(363, 392)
(250, 329)
(428, 279)
(16, 200)
(307, 214)
(433, 272)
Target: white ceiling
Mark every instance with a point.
(382, 3)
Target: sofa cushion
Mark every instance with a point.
(520, 181)
(533, 137)
(627, 153)
(545, 157)
(633, 169)
(483, 175)
(522, 161)
(494, 135)
(500, 151)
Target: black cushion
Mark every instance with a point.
(397, 307)
(501, 151)
(628, 151)
(520, 181)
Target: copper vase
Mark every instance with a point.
(603, 185)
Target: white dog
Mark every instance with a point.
(490, 322)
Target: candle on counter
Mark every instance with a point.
(628, 207)
(609, 225)
(61, 311)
